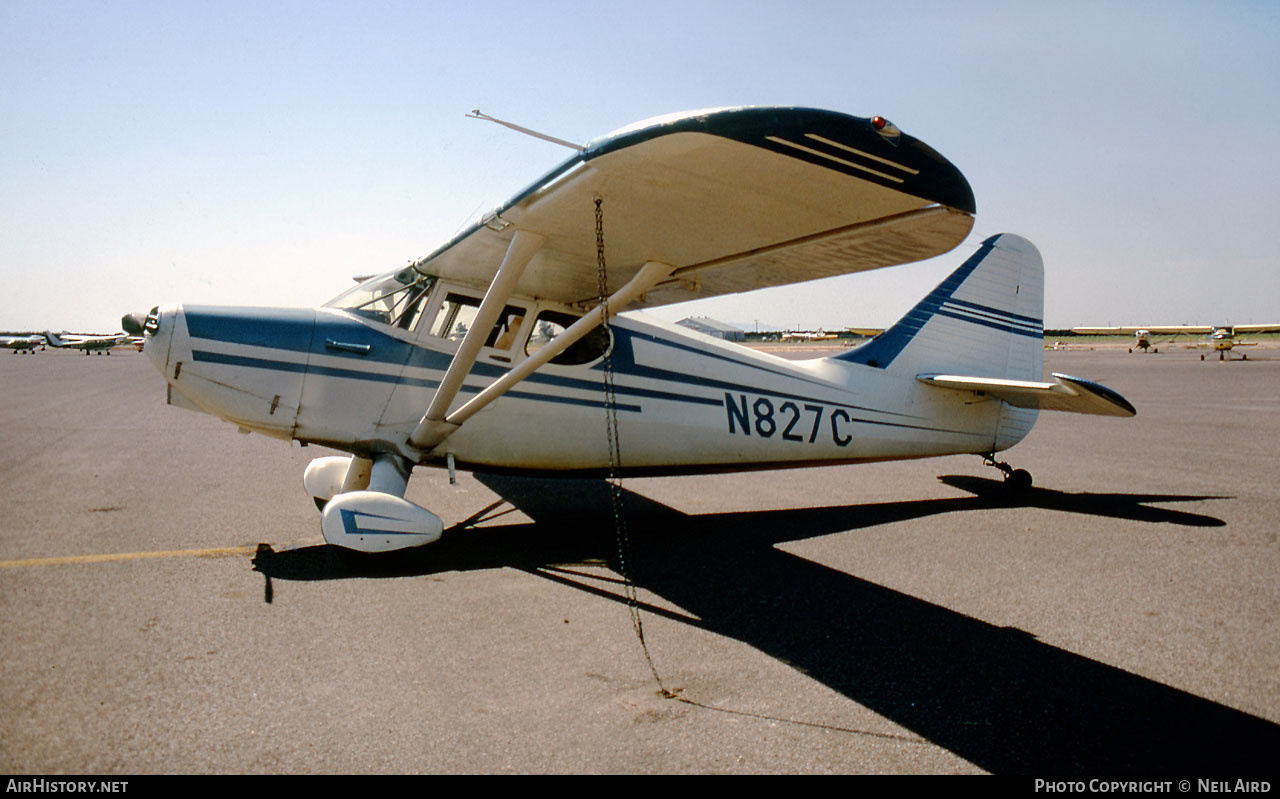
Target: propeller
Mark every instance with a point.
(132, 323)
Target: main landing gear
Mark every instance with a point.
(363, 506)
(1017, 480)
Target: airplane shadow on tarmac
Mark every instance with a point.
(994, 696)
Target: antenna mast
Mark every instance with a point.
(477, 115)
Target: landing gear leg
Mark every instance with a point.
(1014, 479)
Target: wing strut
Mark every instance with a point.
(431, 432)
(521, 250)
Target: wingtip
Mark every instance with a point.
(1097, 389)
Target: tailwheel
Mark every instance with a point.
(1016, 480)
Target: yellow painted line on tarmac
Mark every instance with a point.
(214, 552)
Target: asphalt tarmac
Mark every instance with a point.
(167, 604)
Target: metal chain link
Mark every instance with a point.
(615, 454)
(620, 522)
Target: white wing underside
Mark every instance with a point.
(730, 216)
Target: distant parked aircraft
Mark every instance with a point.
(1219, 338)
(86, 344)
(23, 344)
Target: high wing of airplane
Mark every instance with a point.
(86, 344)
(504, 350)
(1221, 339)
(22, 344)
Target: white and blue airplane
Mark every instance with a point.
(504, 350)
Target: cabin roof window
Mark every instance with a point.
(396, 298)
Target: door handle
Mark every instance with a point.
(345, 346)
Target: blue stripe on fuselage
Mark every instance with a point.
(288, 329)
(283, 329)
(652, 339)
(625, 364)
(274, 328)
(202, 356)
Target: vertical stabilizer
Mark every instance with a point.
(985, 320)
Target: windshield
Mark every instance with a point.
(396, 298)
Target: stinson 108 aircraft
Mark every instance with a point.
(502, 349)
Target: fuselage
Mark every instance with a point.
(685, 403)
(1222, 339)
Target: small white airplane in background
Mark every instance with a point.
(1221, 339)
(87, 344)
(22, 344)
(503, 349)
(808, 335)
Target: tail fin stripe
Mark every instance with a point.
(1032, 326)
(880, 351)
(996, 311)
(1017, 331)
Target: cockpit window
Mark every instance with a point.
(550, 324)
(458, 313)
(395, 299)
(455, 317)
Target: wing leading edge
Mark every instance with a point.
(734, 199)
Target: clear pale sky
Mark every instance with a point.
(262, 153)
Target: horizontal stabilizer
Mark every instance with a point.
(1066, 394)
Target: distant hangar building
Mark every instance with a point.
(711, 327)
